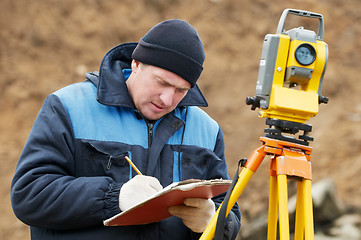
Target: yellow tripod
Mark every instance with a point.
(289, 159)
(288, 93)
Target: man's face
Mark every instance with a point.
(155, 91)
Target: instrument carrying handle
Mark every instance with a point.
(302, 13)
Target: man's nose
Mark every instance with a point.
(167, 96)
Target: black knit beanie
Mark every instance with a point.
(173, 45)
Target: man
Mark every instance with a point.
(143, 103)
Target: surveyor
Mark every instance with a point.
(143, 104)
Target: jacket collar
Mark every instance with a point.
(110, 80)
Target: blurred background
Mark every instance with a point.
(46, 45)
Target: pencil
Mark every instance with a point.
(133, 166)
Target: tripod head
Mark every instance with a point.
(278, 128)
(291, 72)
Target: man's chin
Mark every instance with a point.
(154, 116)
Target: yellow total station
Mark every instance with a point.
(291, 71)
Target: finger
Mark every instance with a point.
(196, 202)
(151, 182)
(194, 218)
(181, 211)
(155, 184)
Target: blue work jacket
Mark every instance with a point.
(73, 165)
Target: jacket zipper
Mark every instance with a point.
(150, 134)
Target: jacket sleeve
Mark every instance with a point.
(232, 224)
(44, 189)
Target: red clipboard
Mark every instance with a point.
(156, 207)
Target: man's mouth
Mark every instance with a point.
(158, 108)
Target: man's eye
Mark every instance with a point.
(163, 83)
(182, 90)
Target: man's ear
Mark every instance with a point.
(135, 65)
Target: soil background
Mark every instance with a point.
(46, 45)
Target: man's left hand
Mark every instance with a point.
(196, 213)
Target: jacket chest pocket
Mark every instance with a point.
(103, 159)
(195, 162)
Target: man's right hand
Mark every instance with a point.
(136, 190)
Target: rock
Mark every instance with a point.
(326, 205)
(255, 230)
(347, 227)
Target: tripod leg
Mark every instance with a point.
(251, 167)
(304, 211)
(243, 179)
(272, 210)
(300, 216)
(308, 211)
(283, 207)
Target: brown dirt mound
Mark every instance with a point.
(46, 45)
